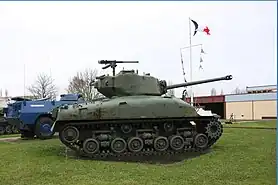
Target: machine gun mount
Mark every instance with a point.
(113, 64)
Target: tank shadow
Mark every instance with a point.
(158, 159)
(36, 138)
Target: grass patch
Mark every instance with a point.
(241, 157)
(265, 124)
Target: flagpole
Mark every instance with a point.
(190, 60)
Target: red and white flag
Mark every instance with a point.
(200, 28)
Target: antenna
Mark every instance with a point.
(113, 64)
(24, 79)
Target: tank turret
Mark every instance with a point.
(130, 83)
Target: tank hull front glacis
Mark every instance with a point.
(135, 125)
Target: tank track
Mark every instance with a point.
(159, 136)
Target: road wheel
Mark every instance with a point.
(161, 144)
(118, 145)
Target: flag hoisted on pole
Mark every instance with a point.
(201, 58)
(202, 51)
(182, 67)
(198, 28)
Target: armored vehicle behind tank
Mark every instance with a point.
(5, 126)
(136, 117)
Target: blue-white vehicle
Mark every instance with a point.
(33, 117)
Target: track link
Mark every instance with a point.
(188, 137)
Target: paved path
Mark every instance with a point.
(9, 139)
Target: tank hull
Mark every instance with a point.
(132, 107)
(135, 125)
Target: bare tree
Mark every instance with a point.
(243, 91)
(170, 92)
(236, 91)
(81, 84)
(1, 93)
(43, 87)
(213, 92)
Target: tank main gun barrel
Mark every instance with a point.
(228, 77)
(113, 64)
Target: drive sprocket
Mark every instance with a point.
(214, 129)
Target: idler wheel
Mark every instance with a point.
(135, 144)
(201, 141)
(91, 146)
(168, 127)
(118, 145)
(9, 129)
(176, 142)
(161, 144)
(70, 134)
(214, 129)
(126, 128)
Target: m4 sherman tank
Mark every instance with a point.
(135, 117)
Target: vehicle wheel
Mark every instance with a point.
(135, 144)
(2, 130)
(9, 129)
(161, 144)
(69, 134)
(214, 129)
(201, 141)
(15, 130)
(91, 146)
(118, 145)
(176, 142)
(43, 128)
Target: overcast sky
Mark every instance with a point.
(61, 38)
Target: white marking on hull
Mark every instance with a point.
(36, 105)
